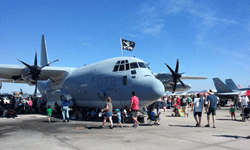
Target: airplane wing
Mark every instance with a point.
(192, 77)
(13, 73)
(229, 93)
(167, 75)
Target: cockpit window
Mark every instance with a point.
(133, 71)
(127, 66)
(124, 65)
(116, 68)
(121, 68)
(133, 65)
(142, 65)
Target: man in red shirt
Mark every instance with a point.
(134, 107)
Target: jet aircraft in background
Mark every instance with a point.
(227, 90)
(230, 83)
(91, 84)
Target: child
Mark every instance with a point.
(118, 114)
(49, 112)
(232, 112)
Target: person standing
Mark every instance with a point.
(49, 112)
(108, 113)
(232, 112)
(134, 107)
(212, 106)
(184, 105)
(169, 102)
(197, 107)
(119, 117)
(65, 108)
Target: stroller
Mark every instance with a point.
(245, 113)
(177, 111)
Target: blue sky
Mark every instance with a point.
(210, 38)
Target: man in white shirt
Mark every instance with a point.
(197, 107)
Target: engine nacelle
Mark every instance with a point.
(53, 104)
(179, 87)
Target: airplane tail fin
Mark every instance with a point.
(230, 83)
(44, 55)
(220, 86)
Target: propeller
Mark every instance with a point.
(35, 71)
(176, 76)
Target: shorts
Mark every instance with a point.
(108, 114)
(49, 116)
(211, 110)
(205, 105)
(134, 113)
(119, 117)
(198, 113)
(183, 104)
(232, 113)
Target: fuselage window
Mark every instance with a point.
(127, 66)
(133, 71)
(116, 68)
(121, 68)
(142, 65)
(133, 65)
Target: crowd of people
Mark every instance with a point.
(198, 104)
(15, 105)
(206, 103)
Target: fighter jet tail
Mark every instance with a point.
(230, 83)
(44, 55)
(220, 86)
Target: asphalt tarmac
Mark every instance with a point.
(34, 132)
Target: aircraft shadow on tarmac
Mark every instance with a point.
(182, 126)
(232, 136)
(230, 120)
(50, 121)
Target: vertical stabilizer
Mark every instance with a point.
(230, 83)
(44, 55)
(220, 86)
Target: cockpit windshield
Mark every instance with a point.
(133, 65)
(142, 65)
(124, 65)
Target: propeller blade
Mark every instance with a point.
(35, 62)
(177, 66)
(174, 85)
(173, 73)
(184, 86)
(35, 89)
(27, 74)
(25, 64)
(49, 63)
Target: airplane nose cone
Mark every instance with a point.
(151, 90)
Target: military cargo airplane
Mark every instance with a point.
(91, 84)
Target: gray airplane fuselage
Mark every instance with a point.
(115, 77)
